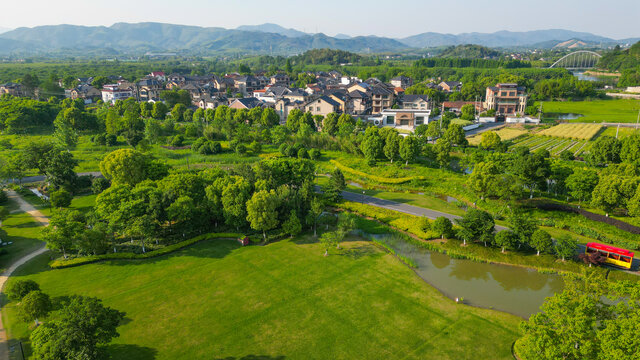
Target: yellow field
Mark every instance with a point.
(504, 133)
(573, 131)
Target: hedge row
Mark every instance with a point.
(62, 263)
(545, 205)
(379, 179)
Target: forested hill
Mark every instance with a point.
(625, 61)
(155, 37)
(469, 52)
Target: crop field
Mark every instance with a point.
(555, 145)
(621, 132)
(620, 110)
(505, 134)
(573, 131)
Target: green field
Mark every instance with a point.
(22, 230)
(621, 110)
(285, 300)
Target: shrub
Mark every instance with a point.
(197, 145)
(241, 149)
(6, 144)
(302, 154)
(82, 182)
(100, 139)
(60, 198)
(111, 140)
(18, 289)
(99, 185)
(255, 147)
(3, 197)
(314, 154)
(177, 140)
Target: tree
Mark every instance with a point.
(328, 240)
(606, 149)
(78, 331)
(292, 225)
(506, 239)
(261, 211)
(541, 241)
(34, 305)
(336, 186)
(330, 124)
(128, 166)
(409, 148)
(159, 111)
(99, 184)
(609, 194)
(60, 198)
(476, 225)
(522, 224)
(65, 134)
(64, 227)
(177, 112)
(532, 169)
(371, 145)
(455, 135)
(467, 112)
(234, 199)
(581, 184)
(565, 247)
(316, 209)
(443, 150)
(433, 130)
(490, 140)
(59, 169)
(392, 145)
(99, 81)
(442, 227)
(17, 289)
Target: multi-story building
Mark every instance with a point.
(113, 92)
(323, 105)
(401, 82)
(506, 99)
(382, 98)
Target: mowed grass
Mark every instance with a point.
(285, 300)
(573, 131)
(22, 230)
(504, 133)
(619, 110)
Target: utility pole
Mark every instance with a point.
(637, 121)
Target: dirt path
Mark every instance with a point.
(38, 216)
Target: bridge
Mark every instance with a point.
(578, 60)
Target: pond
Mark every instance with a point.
(561, 116)
(582, 76)
(511, 289)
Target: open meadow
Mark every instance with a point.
(285, 300)
(612, 111)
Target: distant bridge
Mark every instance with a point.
(583, 59)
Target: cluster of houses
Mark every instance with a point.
(383, 103)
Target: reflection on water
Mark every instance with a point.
(582, 76)
(511, 289)
(561, 116)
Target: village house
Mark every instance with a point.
(382, 98)
(246, 103)
(456, 106)
(506, 99)
(402, 119)
(323, 105)
(86, 92)
(114, 92)
(212, 102)
(12, 89)
(401, 82)
(360, 102)
(280, 79)
(421, 102)
(284, 106)
(450, 86)
(148, 89)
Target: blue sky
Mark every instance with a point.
(396, 18)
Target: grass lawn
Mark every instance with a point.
(620, 110)
(217, 300)
(21, 229)
(82, 203)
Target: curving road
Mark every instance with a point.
(38, 216)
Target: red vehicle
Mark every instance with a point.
(612, 255)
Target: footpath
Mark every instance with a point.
(38, 216)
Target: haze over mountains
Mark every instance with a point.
(139, 38)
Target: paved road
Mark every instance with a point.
(30, 179)
(28, 208)
(400, 207)
(486, 127)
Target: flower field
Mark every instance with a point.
(573, 131)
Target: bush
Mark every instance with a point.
(302, 154)
(177, 140)
(18, 289)
(197, 145)
(567, 155)
(6, 144)
(241, 149)
(60, 198)
(3, 196)
(100, 139)
(255, 147)
(82, 182)
(111, 140)
(314, 154)
(99, 185)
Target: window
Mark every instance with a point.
(390, 120)
(404, 122)
(318, 109)
(419, 120)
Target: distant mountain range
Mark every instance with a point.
(140, 38)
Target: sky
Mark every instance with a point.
(398, 18)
